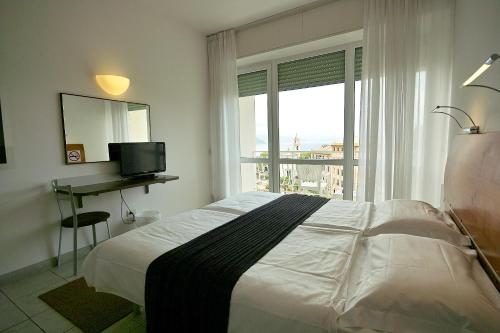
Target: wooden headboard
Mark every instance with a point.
(472, 194)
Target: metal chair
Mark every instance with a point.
(76, 221)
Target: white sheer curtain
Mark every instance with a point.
(119, 120)
(407, 55)
(224, 115)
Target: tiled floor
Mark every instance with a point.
(22, 311)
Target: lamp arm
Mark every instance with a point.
(483, 86)
(455, 108)
(450, 116)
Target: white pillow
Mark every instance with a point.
(416, 218)
(402, 283)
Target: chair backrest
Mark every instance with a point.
(58, 190)
(61, 189)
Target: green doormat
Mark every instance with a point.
(87, 309)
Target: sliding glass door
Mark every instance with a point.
(311, 102)
(254, 143)
(297, 124)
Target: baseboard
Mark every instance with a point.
(42, 265)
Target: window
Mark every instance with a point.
(299, 124)
(137, 123)
(358, 54)
(254, 143)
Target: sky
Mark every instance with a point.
(316, 115)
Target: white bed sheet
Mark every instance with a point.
(243, 202)
(288, 290)
(337, 214)
(406, 283)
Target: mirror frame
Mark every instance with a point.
(3, 153)
(103, 99)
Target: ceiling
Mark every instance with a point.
(209, 16)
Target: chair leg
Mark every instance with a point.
(107, 226)
(93, 235)
(59, 248)
(75, 237)
(75, 250)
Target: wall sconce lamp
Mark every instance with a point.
(474, 129)
(480, 71)
(113, 84)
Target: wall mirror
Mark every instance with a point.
(90, 123)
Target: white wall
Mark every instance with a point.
(53, 46)
(477, 36)
(334, 18)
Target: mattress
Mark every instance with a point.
(299, 286)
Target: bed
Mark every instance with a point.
(398, 266)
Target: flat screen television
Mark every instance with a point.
(139, 158)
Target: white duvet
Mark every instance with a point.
(311, 281)
(298, 286)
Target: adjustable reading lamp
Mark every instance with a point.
(487, 64)
(474, 129)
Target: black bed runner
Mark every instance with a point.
(188, 289)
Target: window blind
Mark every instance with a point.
(358, 56)
(310, 72)
(135, 107)
(251, 84)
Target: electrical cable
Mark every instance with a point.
(125, 220)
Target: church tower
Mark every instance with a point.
(296, 142)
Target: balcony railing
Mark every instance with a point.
(324, 180)
(305, 154)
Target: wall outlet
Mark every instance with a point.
(131, 216)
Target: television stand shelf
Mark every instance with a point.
(80, 191)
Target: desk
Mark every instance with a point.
(76, 188)
(96, 188)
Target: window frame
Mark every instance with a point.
(274, 160)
